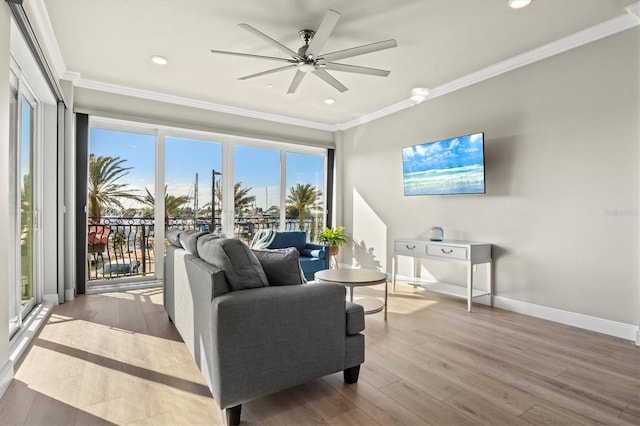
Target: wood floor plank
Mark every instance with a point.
(425, 406)
(539, 415)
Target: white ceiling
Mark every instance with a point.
(107, 44)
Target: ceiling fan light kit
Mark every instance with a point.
(310, 60)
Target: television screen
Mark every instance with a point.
(449, 166)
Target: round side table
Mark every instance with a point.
(358, 278)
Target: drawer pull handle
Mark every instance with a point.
(446, 251)
(410, 247)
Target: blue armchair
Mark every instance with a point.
(313, 257)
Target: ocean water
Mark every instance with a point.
(454, 180)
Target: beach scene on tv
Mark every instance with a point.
(449, 166)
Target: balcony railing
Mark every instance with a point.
(122, 247)
(119, 247)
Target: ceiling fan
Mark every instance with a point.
(308, 59)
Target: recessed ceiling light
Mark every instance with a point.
(419, 94)
(159, 60)
(269, 86)
(329, 101)
(518, 4)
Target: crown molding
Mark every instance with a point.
(580, 38)
(634, 8)
(388, 110)
(38, 12)
(194, 103)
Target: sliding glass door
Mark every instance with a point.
(23, 110)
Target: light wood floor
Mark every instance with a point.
(115, 358)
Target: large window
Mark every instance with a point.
(193, 177)
(256, 190)
(278, 188)
(210, 182)
(121, 200)
(305, 205)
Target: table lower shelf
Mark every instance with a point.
(371, 305)
(446, 288)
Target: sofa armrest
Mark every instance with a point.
(312, 246)
(355, 318)
(304, 326)
(323, 254)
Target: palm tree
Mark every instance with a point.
(241, 199)
(302, 199)
(104, 189)
(172, 203)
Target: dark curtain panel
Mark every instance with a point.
(82, 153)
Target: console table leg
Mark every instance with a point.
(350, 293)
(490, 282)
(469, 286)
(394, 259)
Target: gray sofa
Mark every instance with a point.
(251, 323)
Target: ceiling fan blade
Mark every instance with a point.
(360, 50)
(324, 31)
(286, 67)
(329, 79)
(296, 82)
(271, 41)
(272, 58)
(332, 66)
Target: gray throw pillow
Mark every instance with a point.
(241, 267)
(282, 266)
(173, 236)
(189, 240)
(204, 239)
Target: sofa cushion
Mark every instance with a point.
(173, 236)
(320, 254)
(281, 266)
(189, 240)
(241, 267)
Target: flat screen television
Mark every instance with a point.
(448, 166)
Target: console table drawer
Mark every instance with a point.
(451, 252)
(411, 248)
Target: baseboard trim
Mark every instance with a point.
(51, 298)
(69, 295)
(19, 343)
(6, 375)
(587, 322)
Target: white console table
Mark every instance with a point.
(465, 252)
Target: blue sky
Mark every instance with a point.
(454, 152)
(258, 168)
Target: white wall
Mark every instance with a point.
(561, 144)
